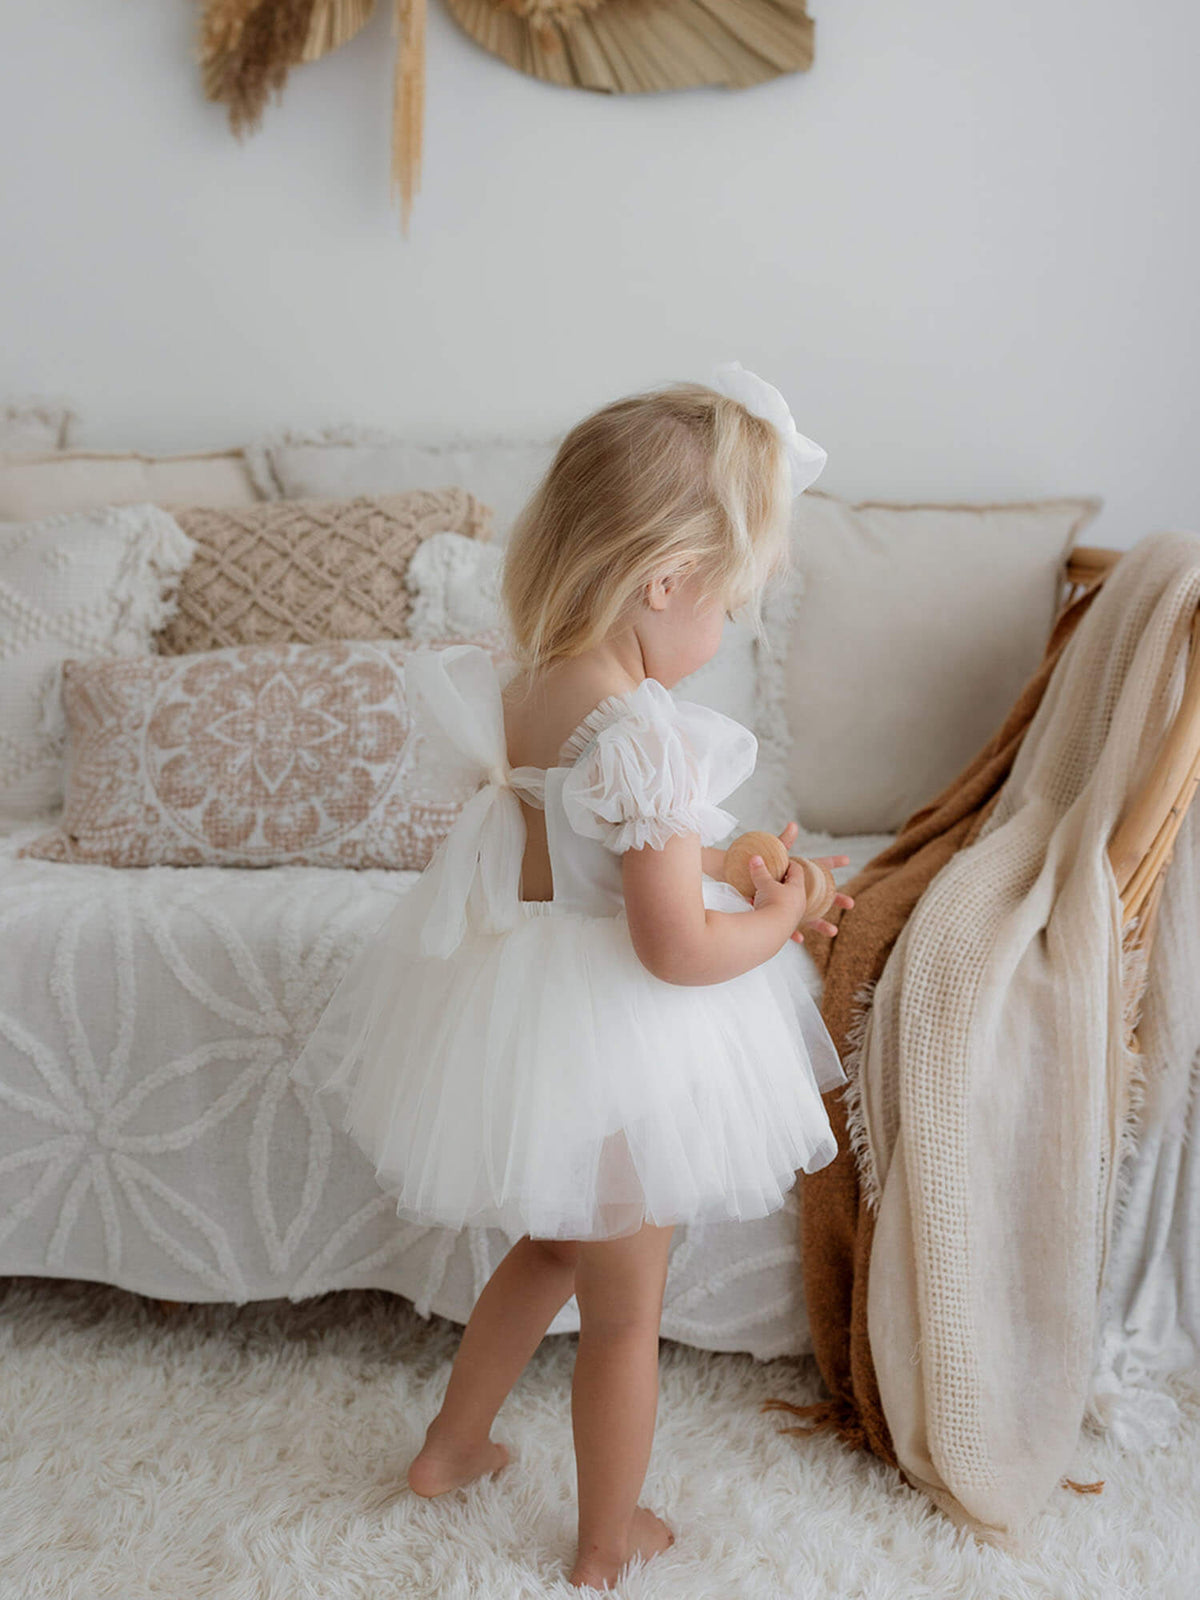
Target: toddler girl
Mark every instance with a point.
(571, 1027)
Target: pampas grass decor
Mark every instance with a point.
(248, 48)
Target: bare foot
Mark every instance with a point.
(648, 1537)
(438, 1467)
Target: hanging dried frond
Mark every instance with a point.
(247, 49)
(408, 102)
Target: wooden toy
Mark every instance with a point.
(818, 879)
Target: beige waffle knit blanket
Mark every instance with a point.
(994, 1081)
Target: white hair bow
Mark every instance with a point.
(805, 456)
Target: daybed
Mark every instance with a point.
(149, 1016)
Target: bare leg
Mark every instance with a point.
(619, 1284)
(518, 1303)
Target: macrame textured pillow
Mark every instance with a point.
(262, 755)
(307, 570)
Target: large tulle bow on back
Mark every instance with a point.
(455, 698)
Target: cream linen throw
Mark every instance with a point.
(996, 1094)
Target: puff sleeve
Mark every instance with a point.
(660, 768)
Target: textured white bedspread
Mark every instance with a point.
(151, 1138)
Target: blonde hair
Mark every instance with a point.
(682, 478)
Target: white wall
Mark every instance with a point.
(964, 244)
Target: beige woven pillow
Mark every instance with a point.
(254, 757)
(338, 461)
(908, 631)
(43, 483)
(307, 570)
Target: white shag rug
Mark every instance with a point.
(247, 1453)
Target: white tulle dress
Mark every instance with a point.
(512, 1064)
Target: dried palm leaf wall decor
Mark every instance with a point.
(634, 46)
(248, 47)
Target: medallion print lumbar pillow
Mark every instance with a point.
(258, 755)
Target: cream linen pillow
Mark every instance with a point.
(901, 641)
(308, 570)
(337, 462)
(85, 582)
(44, 483)
(258, 756)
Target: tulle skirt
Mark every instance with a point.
(542, 1081)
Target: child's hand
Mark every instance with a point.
(839, 899)
(788, 836)
(791, 892)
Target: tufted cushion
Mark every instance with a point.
(256, 756)
(77, 584)
(308, 570)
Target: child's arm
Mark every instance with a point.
(681, 940)
(712, 857)
(712, 861)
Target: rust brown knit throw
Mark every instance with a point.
(836, 1225)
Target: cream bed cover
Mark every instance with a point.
(151, 1138)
